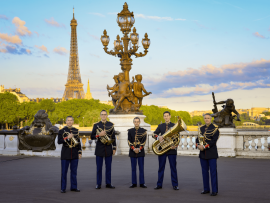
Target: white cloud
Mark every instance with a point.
(153, 17)
(21, 29)
(98, 14)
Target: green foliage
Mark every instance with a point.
(154, 115)
(48, 105)
(197, 119)
(9, 106)
(266, 113)
(85, 112)
(244, 116)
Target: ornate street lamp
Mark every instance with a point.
(125, 20)
(124, 48)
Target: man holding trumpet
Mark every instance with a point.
(206, 143)
(104, 133)
(70, 154)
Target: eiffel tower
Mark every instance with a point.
(74, 86)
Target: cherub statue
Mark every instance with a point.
(138, 89)
(123, 91)
(114, 90)
(224, 118)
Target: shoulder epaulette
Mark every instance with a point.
(215, 125)
(144, 129)
(110, 122)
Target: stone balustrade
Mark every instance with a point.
(231, 143)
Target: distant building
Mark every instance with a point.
(109, 102)
(17, 92)
(55, 100)
(164, 107)
(255, 111)
(199, 113)
(88, 94)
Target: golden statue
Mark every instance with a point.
(114, 90)
(138, 89)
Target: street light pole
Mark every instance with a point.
(124, 48)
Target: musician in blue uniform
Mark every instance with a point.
(208, 154)
(70, 154)
(104, 149)
(171, 154)
(136, 141)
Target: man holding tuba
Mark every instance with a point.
(70, 154)
(104, 132)
(206, 142)
(171, 154)
(136, 142)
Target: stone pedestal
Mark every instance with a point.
(227, 142)
(123, 122)
(11, 145)
(57, 151)
(47, 153)
(2, 143)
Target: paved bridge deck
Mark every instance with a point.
(37, 179)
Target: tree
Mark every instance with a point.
(197, 119)
(244, 116)
(9, 105)
(27, 110)
(48, 105)
(266, 113)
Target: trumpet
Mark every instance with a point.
(106, 138)
(73, 141)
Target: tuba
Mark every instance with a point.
(171, 138)
(105, 139)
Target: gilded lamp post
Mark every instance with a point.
(127, 96)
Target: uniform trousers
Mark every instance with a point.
(108, 169)
(162, 163)
(140, 161)
(212, 164)
(73, 173)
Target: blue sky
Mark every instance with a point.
(197, 46)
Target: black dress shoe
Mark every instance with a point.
(205, 192)
(110, 186)
(213, 194)
(158, 187)
(63, 191)
(175, 187)
(98, 186)
(133, 186)
(75, 190)
(143, 186)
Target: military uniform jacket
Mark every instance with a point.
(68, 151)
(211, 135)
(137, 139)
(103, 149)
(161, 129)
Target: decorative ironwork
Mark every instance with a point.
(74, 86)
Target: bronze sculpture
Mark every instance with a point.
(224, 118)
(126, 96)
(40, 135)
